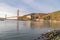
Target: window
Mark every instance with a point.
(37, 17)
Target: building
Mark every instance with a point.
(25, 17)
(32, 16)
(37, 16)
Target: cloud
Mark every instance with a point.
(28, 6)
(10, 11)
(6, 9)
(44, 6)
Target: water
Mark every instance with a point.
(23, 30)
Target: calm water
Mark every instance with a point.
(24, 30)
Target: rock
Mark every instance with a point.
(53, 35)
(38, 37)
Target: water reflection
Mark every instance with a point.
(55, 25)
(37, 24)
(17, 26)
(28, 24)
(31, 24)
(26, 29)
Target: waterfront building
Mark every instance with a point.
(37, 16)
(33, 16)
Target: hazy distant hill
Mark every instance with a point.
(55, 15)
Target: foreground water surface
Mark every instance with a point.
(24, 30)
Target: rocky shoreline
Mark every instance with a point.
(53, 35)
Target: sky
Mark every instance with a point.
(10, 7)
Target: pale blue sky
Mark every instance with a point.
(9, 7)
